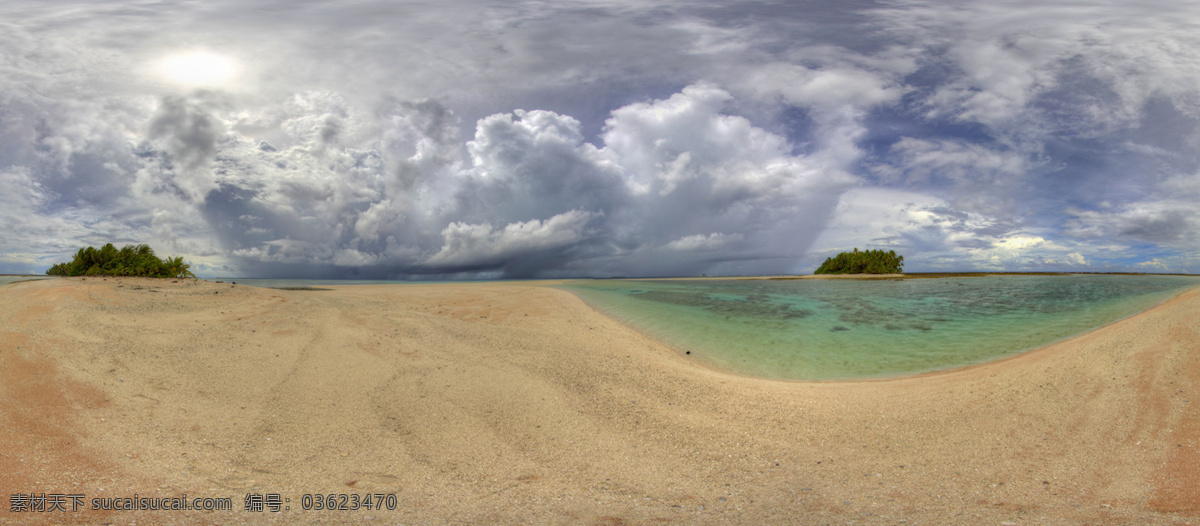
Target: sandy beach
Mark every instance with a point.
(506, 403)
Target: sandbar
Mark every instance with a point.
(516, 403)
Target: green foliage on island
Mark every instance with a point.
(868, 262)
(130, 260)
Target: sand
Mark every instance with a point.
(503, 403)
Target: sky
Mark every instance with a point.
(531, 139)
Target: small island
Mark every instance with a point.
(866, 262)
(130, 260)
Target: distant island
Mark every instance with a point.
(130, 260)
(868, 262)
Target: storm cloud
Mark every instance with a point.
(525, 139)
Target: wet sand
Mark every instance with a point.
(504, 403)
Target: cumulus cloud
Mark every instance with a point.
(312, 181)
(322, 178)
(1026, 251)
(517, 245)
(701, 242)
(535, 164)
(693, 170)
(667, 170)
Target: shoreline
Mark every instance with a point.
(686, 355)
(898, 276)
(516, 402)
(1063, 341)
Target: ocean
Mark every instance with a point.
(852, 329)
(4, 280)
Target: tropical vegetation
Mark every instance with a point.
(867, 262)
(130, 260)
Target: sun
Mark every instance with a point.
(198, 69)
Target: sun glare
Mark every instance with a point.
(198, 69)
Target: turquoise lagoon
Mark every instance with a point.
(816, 329)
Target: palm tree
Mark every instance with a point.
(130, 260)
(184, 269)
(176, 268)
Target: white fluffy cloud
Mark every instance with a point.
(667, 171)
(520, 244)
(693, 171)
(704, 243)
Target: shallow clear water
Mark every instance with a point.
(4, 280)
(837, 329)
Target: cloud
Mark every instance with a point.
(31, 234)
(353, 191)
(1024, 250)
(832, 87)
(701, 242)
(923, 161)
(668, 170)
(693, 170)
(1155, 264)
(535, 165)
(312, 181)
(684, 141)
(933, 235)
(974, 177)
(190, 133)
(1005, 57)
(1169, 216)
(189, 136)
(390, 139)
(1163, 223)
(526, 244)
